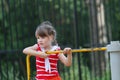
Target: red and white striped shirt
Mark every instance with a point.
(42, 74)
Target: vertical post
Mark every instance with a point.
(28, 66)
(114, 49)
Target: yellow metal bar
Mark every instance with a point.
(28, 66)
(80, 50)
(61, 51)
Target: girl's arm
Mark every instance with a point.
(67, 61)
(32, 50)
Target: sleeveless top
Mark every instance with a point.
(42, 74)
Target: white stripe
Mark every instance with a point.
(44, 70)
(53, 64)
(50, 63)
(41, 70)
(53, 68)
(40, 66)
(40, 61)
(54, 71)
(44, 67)
(46, 74)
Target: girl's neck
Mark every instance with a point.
(48, 48)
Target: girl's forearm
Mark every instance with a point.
(69, 60)
(34, 53)
(30, 52)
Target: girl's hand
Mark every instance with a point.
(43, 54)
(67, 51)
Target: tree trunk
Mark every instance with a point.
(97, 34)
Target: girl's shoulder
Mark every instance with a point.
(35, 46)
(56, 47)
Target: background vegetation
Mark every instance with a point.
(76, 24)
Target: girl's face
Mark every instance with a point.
(45, 42)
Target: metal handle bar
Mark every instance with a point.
(80, 50)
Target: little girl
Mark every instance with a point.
(46, 64)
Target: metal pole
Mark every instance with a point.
(80, 50)
(114, 49)
(28, 66)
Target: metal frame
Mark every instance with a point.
(60, 51)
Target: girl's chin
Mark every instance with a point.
(41, 45)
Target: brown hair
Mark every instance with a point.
(46, 29)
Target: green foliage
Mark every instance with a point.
(73, 73)
(20, 18)
(10, 72)
(112, 11)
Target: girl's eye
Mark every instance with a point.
(38, 37)
(43, 37)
